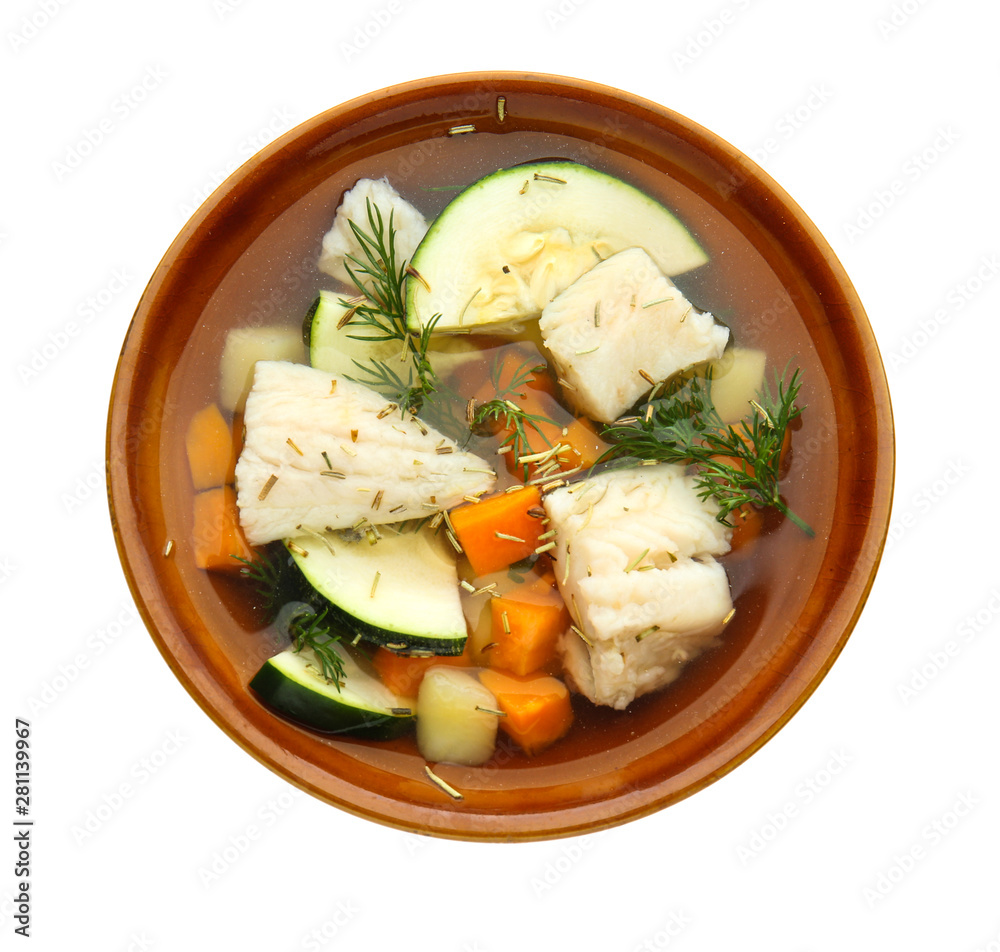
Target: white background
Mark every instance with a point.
(879, 117)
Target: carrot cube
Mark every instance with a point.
(537, 709)
(218, 539)
(526, 632)
(211, 449)
(499, 530)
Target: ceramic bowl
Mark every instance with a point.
(248, 257)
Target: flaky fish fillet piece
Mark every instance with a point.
(322, 452)
(340, 243)
(621, 327)
(635, 562)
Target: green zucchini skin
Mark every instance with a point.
(400, 642)
(325, 711)
(405, 626)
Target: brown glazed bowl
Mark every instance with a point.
(248, 257)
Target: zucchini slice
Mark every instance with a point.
(401, 593)
(503, 248)
(292, 683)
(335, 349)
(338, 349)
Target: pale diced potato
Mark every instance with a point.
(243, 348)
(737, 376)
(451, 728)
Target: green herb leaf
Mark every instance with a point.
(502, 411)
(309, 631)
(735, 465)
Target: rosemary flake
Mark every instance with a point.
(414, 273)
(271, 480)
(442, 784)
(637, 560)
(509, 538)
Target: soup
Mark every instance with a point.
(248, 260)
(275, 284)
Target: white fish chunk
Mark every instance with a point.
(635, 563)
(339, 242)
(324, 452)
(621, 325)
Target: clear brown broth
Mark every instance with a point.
(276, 280)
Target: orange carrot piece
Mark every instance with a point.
(211, 450)
(500, 529)
(402, 673)
(218, 539)
(526, 632)
(537, 708)
(581, 444)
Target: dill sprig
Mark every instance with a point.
(309, 630)
(276, 579)
(734, 464)
(502, 410)
(381, 278)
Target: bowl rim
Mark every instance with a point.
(127, 537)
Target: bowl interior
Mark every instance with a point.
(248, 257)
